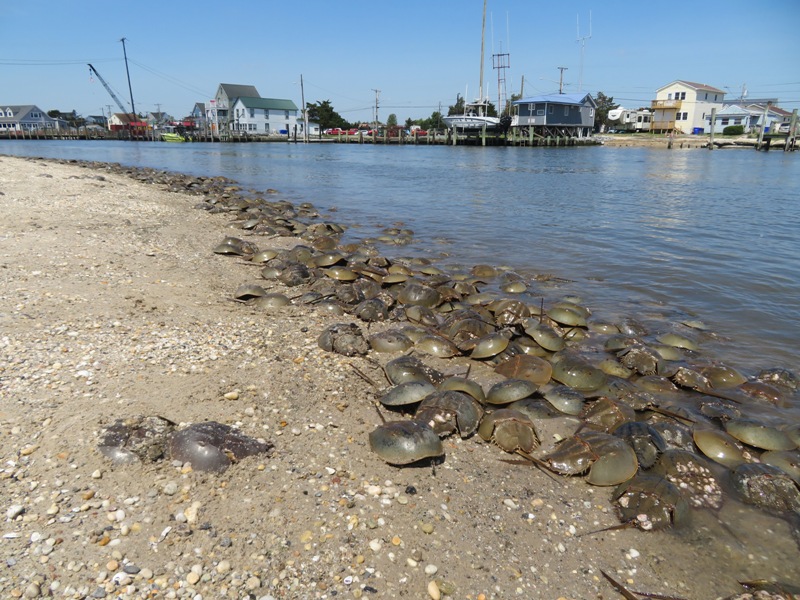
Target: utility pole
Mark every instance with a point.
(130, 89)
(305, 112)
(561, 79)
(377, 96)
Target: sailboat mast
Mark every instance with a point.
(483, 52)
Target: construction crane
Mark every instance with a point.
(108, 89)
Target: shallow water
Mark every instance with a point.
(634, 231)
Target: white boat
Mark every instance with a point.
(474, 117)
(476, 113)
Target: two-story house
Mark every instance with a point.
(226, 95)
(557, 114)
(27, 117)
(682, 107)
(264, 115)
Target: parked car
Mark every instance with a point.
(784, 127)
(353, 131)
(335, 131)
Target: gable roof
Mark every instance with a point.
(577, 99)
(267, 103)
(18, 111)
(693, 85)
(235, 90)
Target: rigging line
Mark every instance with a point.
(173, 80)
(50, 63)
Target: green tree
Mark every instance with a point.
(391, 120)
(604, 105)
(458, 107)
(323, 113)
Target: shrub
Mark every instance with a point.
(733, 130)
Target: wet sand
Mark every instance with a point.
(114, 305)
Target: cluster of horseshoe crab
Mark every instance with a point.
(640, 408)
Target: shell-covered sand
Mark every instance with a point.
(113, 305)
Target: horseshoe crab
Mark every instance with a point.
(610, 460)
(646, 441)
(235, 246)
(390, 341)
(719, 447)
(271, 301)
(510, 390)
(651, 503)
(786, 461)
(343, 338)
(448, 411)
(409, 392)
(578, 373)
(523, 366)
(691, 474)
(509, 429)
(564, 399)
(767, 487)
(248, 291)
(408, 368)
(468, 386)
(212, 446)
(405, 442)
(759, 435)
(415, 293)
(134, 439)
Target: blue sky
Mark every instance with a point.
(419, 54)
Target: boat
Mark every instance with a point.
(476, 113)
(172, 137)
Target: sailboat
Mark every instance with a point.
(476, 113)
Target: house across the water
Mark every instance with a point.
(557, 115)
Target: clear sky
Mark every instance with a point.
(419, 54)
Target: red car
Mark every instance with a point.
(335, 131)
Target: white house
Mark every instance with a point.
(27, 117)
(751, 116)
(266, 116)
(683, 107)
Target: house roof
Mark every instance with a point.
(235, 90)
(19, 111)
(693, 85)
(578, 99)
(267, 103)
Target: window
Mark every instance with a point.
(683, 95)
(591, 112)
(715, 97)
(685, 116)
(540, 112)
(725, 121)
(706, 96)
(669, 96)
(252, 113)
(286, 115)
(566, 111)
(266, 113)
(737, 121)
(550, 109)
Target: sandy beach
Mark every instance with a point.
(114, 306)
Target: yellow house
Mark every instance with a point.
(683, 107)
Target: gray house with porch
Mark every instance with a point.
(556, 115)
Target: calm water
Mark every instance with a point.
(640, 232)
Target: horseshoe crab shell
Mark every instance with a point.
(390, 341)
(272, 301)
(212, 446)
(490, 345)
(248, 291)
(578, 373)
(510, 390)
(405, 442)
(409, 392)
(448, 411)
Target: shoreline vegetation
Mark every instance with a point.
(114, 306)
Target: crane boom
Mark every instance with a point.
(108, 88)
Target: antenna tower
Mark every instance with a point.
(501, 62)
(582, 42)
